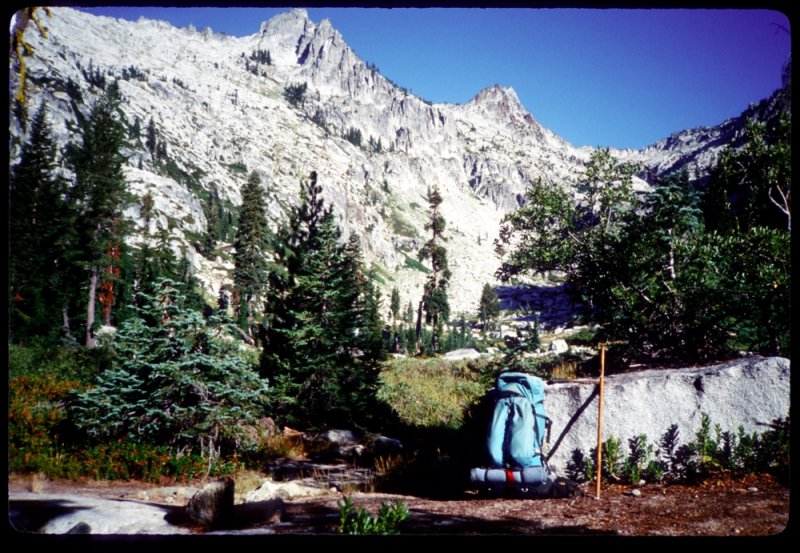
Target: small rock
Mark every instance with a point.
(752, 489)
(466, 353)
(642, 482)
(213, 504)
(268, 425)
(339, 436)
(80, 528)
(635, 493)
(737, 530)
(559, 346)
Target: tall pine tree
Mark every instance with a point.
(38, 215)
(100, 194)
(320, 348)
(434, 297)
(250, 258)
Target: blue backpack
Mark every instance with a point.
(519, 422)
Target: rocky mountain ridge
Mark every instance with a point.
(219, 106)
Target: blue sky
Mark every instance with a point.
(612, 77)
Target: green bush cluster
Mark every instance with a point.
(354, 521)
(710, 452)
(35, 415)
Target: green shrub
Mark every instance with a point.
(354, 521)
(708, 454)
(412, 263)
(35, 415)
(42, 358)
(639, 459)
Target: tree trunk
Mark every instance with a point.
(419, 327)
(245, 336)
(90, 309)
(65, 320)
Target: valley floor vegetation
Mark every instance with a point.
(119, 368)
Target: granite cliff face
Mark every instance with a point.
(219, 107)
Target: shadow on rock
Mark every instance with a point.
(30, 516)
(240, 517)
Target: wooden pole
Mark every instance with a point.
(600, 420)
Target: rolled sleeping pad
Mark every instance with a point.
(528, 476)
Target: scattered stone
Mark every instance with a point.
(559, 346)
(642, 482)
(338, 436)
(635, 492)
(382, 445)
(281, 490)
(291, 432)
(80, 528)
(752, 489)
(465, 353)
(213, 504)
(268, 425)
(37, 482)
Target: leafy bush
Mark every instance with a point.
(710, 452)
(35, 416)
(578, 467)
(639, 460)
(354, 521)
(659, 274)
(41, 358)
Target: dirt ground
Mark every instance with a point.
(755, 505)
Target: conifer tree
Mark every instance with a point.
(434, 298)
(175, 380)
(38, 215)
(100, 193)
(250, 258)
(394, 305)
(151, 140)
(320, 348)
(489, 306)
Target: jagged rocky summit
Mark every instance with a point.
(219, 108)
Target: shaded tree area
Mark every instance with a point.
(322, 332)
(38, 215)
(67, 234)
(680, 274)
(752, 187)
(488, 307)
(70, 268)
(295, 94)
